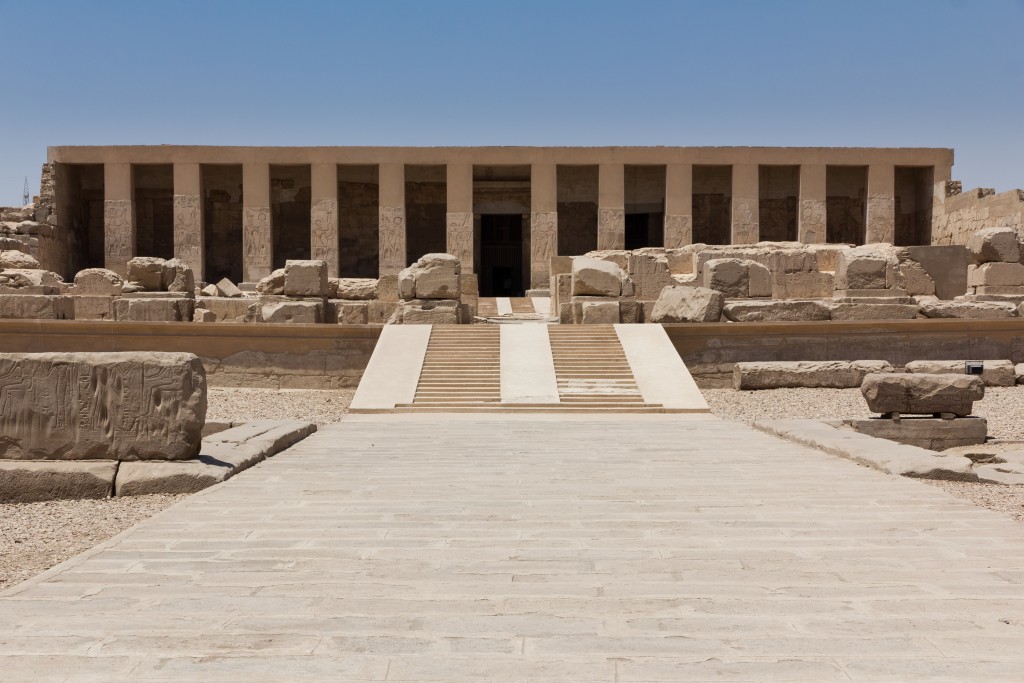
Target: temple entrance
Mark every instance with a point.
(501, 255)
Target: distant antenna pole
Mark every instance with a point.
(25, 195)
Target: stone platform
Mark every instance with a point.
(544, 547)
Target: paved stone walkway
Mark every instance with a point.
(639, 548)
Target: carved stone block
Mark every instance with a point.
(392, 239)
(188, 231)
(323, 235)
(611, 228)
(101, 406)
(543, 245)
(257, 243)
(745, 222)
(812, 229)
(118, 234)
(678, 231)
(459, 232)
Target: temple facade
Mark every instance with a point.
(241, 212)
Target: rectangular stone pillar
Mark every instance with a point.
(811, 217)
(543, 223)
(745, 204)
(118, 217)
(391, 225)
(611, 211)
(678, 205)
(257, 230)
(881, 209)
(188, 217)
(323, 216)
(459, 216)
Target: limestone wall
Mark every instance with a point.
(957, 214)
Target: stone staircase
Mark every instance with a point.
(592, 370)
(461, 369)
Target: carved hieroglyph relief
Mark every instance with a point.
(392, 239)
(188, 231)
(459, 232)
(543, 245)
(256, 242)
(324, 233)
(678, 231)
(118, 235)
(881, 218)
(116, 406)
(611, 229)
(812, 227)
(745, 227)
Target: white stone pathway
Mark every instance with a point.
(614, 548)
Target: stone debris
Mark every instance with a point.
(98, 282)
(433, 276)
(978, 310)
(227, 288)
(879, 311)
(272, 284)
(305, 278)
(354, 289)
(932, 433)
(776, 311)
(737, 278)
(832, 374)
(994, 245)
(596, 277)
(106, 406)
(681, 304)
(995, 373)
(10, 258)
(916, 394)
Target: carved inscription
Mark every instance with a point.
(324, 232)
(744, 221)
(123, 406)
(188, 229)
(118, 237)
(460, 238)
(812, 221)
(543, 245)
(881, 215)
(392, 239)
(256, 242)
(678, 231)
(611, 229)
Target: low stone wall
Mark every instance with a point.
(234, 354)
(956, 214)
(710, 350)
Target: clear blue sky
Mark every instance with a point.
(941, 73)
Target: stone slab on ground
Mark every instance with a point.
(994, 373)
(833, 374)
(931, 433)
(27, 481)
(527, 548)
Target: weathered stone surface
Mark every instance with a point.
(980, 310)
(272, 284)
(29, 481)
(946, 265)
(916, 280)
(190, 476)
(175, 310)
(147, 272)
(1018, 371)
(922, 394)
(354, 314)
(771, 311)
(379, 312)
(600, 312)
(681, 304)
(996, 275)
(596, 277)
(12, 258)
(292, 312)
(828, 374)
(35, 307)
(995, 373)
(30, 281)
(851, 311)
(202, 315)
(433, 276)
(997, 245)
(803, 285)
(243, 310)
(728, 276)
(228, 288)
(91, 307)
(387, 288)
(305, 278)
(113, 406)
(932, 433)
(354, 288)
(871, 266)
(426, 312)
(210, 291)
(178, 277)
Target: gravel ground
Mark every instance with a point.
(1002, 406)
(241, 405)
(37, 536)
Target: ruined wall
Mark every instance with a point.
(956, 215)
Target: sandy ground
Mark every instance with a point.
(242, 405)
(1003, 407)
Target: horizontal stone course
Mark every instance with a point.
(814, 374)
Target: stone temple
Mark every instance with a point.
(241, 212)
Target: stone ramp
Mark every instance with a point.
(526, 368)
(538, 547)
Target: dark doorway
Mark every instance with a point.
(644, 230)
(501, 255)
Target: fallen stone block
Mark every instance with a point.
(30, 481)
(737, 278)
(387, 288)
(90, 307)
(871, 266)
(36, 307)
(600, 312)
(30, 281)
(995, 373)
(996, 275)
(178, 277)
(294, 312)
(153, 310)
(190, 476)
(433, 276)
(828, 374)
(226, 287)
(354, 313)
(922, 394)
(1006, 475)
(305, 278)
(201, 315)
(98, 282)
(209, 291)
(353, 288)
(1018, 371)
(426, 312)
(147, 272)
(978, 310)
(13, 258)
(596, 277)
(916, 280)
(101, 406)
(879, 454)
(273, 284)
(225, 310)
(775, 311)
(682, 304)
(932, 433)
(998, 245)
(858, 311)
